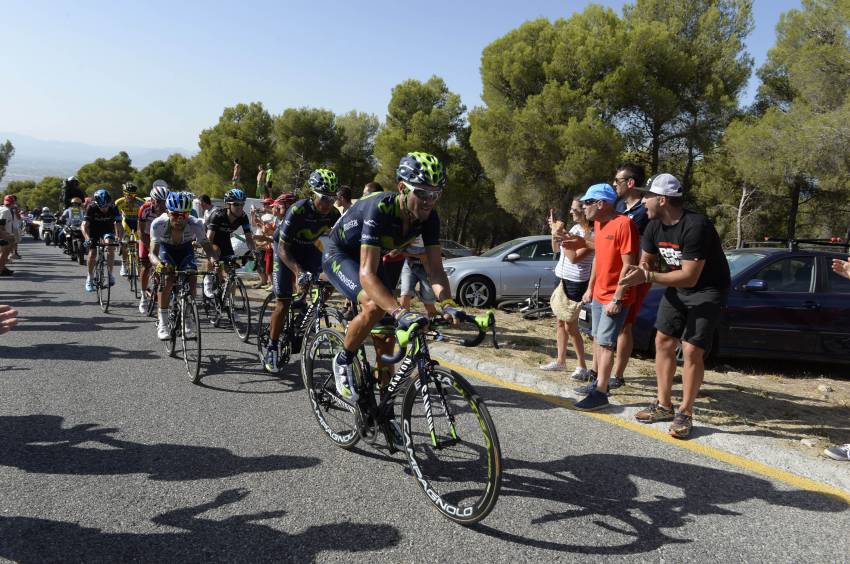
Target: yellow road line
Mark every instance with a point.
(648, 431)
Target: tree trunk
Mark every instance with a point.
(746, 194)
(791, 229)
(687, 178)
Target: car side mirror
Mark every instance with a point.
(755, 285)
(512, 257)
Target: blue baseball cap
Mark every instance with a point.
(602, 191)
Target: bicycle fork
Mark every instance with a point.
(422, 387)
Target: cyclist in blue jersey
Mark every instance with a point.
(296, 252)
(377, 225)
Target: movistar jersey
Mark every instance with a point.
(304, 224)
(376, 221)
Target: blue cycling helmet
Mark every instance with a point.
(234, 195)
(102, 198)
(178, 202)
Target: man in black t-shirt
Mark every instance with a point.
(697, 276)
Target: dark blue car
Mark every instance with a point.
(783, 304)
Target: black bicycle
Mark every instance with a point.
(184, 323)
(308, 312)
(154, 284)
(101, 275)
(532, 307)
(230, 300)
(446, 431)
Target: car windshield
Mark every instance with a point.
(741, 261)
(498, 249)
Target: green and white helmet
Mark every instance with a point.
(421, 168)
(323, 181)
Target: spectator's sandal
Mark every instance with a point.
(681, 426)
(655, 413)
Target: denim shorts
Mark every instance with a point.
(607, 328)
(410, 275)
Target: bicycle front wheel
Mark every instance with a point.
(239, 309)
(190, 337)
(134, 274)
(336, 417)
(458, 461)
(264, 336)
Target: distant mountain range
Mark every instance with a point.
(36, 158)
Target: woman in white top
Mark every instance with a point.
(573, 272)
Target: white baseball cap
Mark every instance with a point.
(664, 184)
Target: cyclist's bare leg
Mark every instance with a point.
(91, 259)
(361, 325)
(276, 324)
(165, 292)
(110, 258)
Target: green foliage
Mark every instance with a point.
(106, 173)
(305, 139)
(6, 152)
(243, 132)
(421, 116)
(168, 170)
(31, 195)
(794, 146)
(544, 134)
(356, 164)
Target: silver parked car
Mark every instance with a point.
(453, 249)
(507, 271)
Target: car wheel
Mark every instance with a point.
(476, 291)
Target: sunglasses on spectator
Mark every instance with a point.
(424, 194)
(576, 210)
(624, 179)
(184, 215)
(589, 202)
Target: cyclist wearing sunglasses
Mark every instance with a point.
(222, 223)
(376, 225)
(172, 235)
(296, 249)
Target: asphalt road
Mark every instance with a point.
(108, 453)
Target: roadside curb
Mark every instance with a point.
(767, 456)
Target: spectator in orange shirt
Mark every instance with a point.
(617, 244)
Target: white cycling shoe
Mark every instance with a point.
(344, 378)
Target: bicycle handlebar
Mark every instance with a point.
(482, 324)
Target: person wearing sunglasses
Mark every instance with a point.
(102, 222)
(172, 235)
(376, 225)
(297, 254)
(222, 223)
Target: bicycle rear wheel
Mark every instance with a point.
(133, 274)
(191, 344)
(153, 302)
(239, 309)
(459, 464)
(542, 312)
(336, 417)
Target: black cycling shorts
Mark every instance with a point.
(343, 271)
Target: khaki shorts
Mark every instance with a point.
(564, 308)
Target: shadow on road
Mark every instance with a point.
(39, 444)
(76, 351)
(71, 324)
(236, 538)
(605, 488)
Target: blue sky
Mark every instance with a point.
(155, 73)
